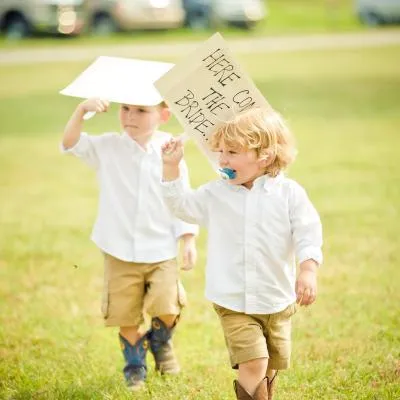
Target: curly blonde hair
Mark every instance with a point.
(263, 130)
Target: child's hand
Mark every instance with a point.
(172, 152)
(306, 283)
(189, 252)
(95, 105)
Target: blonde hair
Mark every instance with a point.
(263, 130)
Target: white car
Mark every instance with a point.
(378, 12)
(19, 18)
(106, 16)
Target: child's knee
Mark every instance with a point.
(255, 367)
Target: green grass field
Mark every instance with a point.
(344, 107)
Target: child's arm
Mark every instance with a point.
(189, 251)
(186, 204)
(307, 240)
(172, 154)
(73, 128)
(306, 283)
(187, 232)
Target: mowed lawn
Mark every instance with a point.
(344, 107)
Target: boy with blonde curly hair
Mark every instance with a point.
(259, 224)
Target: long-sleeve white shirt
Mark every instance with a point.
(133, 222)
(254, 238)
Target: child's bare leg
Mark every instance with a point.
(271, 373)
(169, 320)
(130, 333)
(251, 373)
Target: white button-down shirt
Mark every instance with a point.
(133, 221)
(254, 237)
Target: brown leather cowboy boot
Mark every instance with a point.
(262, 391)
(241, 393)
(271, 386)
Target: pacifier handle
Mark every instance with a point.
(227, 173)
(89, 114)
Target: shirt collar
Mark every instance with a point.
(263, 181)
(266, 181)
(133, 145)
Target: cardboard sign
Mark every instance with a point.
(207, 89)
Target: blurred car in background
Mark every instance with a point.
(19, 18)
(197, 13)
(107, 16)
(201, 14)
(378, 12)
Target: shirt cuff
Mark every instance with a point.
(79, 147)
(172, 188)
(310, 253)
(184, 229)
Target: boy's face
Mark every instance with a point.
(140, 122)
(244, 162)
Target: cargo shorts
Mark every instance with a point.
(252, 336)
(132, 290)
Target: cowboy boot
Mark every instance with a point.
(241, 393)
(162, 348)
(135, 370)
(262, 392)
(271, 386)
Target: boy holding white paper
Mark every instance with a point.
(134, 229)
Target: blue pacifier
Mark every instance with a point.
(227, 173)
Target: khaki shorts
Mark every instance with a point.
(253, 336)
(132, 289)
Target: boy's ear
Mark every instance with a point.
(263, 161)
(266, 159)
(165, 114)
